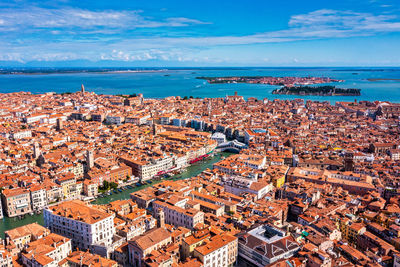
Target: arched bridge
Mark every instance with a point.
(234, 145)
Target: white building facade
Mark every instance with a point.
(86, 226)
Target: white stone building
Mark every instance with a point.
(85, 225)
(179, 216)
(220, 250)
(219, 137)
(38, 197)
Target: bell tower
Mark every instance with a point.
(36, 150)
(160, 218)
(89, 159)
(349, 161)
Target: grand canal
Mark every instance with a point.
(193, 170)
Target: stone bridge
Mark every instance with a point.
(234, 146)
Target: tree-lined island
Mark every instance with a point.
(284, 81)
(291, 85)
(326, 90)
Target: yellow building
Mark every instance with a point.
(354, 230)
(70, 188)
(350, 230)
(278, 181)
(195, 240)
(277, 174)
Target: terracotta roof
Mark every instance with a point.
(78, 210)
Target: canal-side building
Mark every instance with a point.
(219, 137)
(71, 189)
(16, 201)
(90, 188)
(85, 225)
(16, 239)
(146, 169)
(38, 197)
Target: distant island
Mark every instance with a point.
(44, 71)
(382, 79)
(284, 81)
(326, 90)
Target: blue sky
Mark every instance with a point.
(200, 33)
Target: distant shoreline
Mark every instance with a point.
(49, 72)
(381, 79)
(100, 70)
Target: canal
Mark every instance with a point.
(193, 170)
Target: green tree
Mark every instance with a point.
(106, 185)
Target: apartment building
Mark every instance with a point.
(38, 197)
(178, 216)
(220, 250)
(71, 189)
(90, 188)
(47, 251)
(354, 184)
(5, 257)
(34, 118)
(54, 192)
(134, 101)
(141, 246)
(180, 161)
(138, 119)
(16, 201)
(196, 239)
(21, 134)
(85, 225)
(115, 119)
(144, 198)
(147, 169)
(238, 185)
(76, 168)
(97, 117)
(17, 238)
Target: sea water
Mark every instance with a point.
(183, 82)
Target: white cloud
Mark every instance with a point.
(326, 23)
(319, 24)
(181, 21)
(42, 18)
(11, 57)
